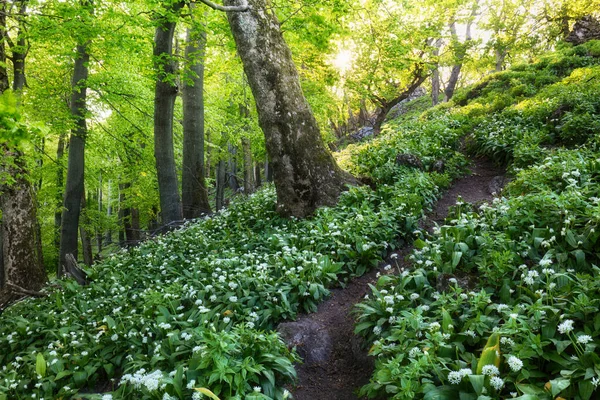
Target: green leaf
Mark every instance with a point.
(111, 322)
(40, 365)
(477, 381)
(441, 393)
(207, 392)
(456, 256)
(558, 385)
(586, 389)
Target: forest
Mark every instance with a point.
(277, 199)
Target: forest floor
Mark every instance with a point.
(349, 367)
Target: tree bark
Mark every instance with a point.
(220, 185)
(248, 167)
(257, 177)
(193, 187)
(19, 52)
(306, 175)
(21, 252)
(100, 201)
(435, 77)
(76, 164)
(86, 239)
(232, 167)
(164, 103)
(60, 151)
(4, 83)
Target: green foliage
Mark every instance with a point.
(194, 308)
(522, 271)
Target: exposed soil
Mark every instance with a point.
(349, 367)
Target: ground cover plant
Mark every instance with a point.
(194, 309)
(502, 299)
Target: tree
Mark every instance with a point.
(76, 160)
(305, 173)
(23, 271)
(164, 104)
(193, 187)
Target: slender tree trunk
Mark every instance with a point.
(22, 260)
(19, 52)
(500, 56)
(60, 151)
(306, 175)
(3, 86)
(3, 32)
(193, 187)
(164, 103)
(460, 53)
(208, 171)
(248, 169)
(100, 201)
(257, 177)
(86, 239)
(123, 216)
(109, 211)
(76, 164)
(220, 185)
(435, 77)
(268, 172)
(232, 167)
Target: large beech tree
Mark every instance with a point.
(306, 175)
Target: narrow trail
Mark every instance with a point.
(341, 366)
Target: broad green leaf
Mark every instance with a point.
(207, 392)
(40, 365)
(477, 381)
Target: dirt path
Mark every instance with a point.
(348, 367)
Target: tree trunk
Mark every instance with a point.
(232, 167)
(109, 211)
(164, 102)
(86, 239)
(220, 185)
(22, 260)
(385, 106)
(257, 177)
(435, 77)
(208, 165)
(193, 187)
(306, 175)
(76, 165)
(248, 167)
(60, 151)
(268, 172)
(3, 32)
(19, 52)
(100, 201)
(500, 56)
(460, 53)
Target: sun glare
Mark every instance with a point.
(343, 61)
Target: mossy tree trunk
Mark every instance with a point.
(305, 173)
(23, 267)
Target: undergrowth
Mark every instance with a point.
(502, 299)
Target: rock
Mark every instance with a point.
(311, 339)
(584, 30)
(362, 133)
(497, 184)
(439, 166)
(409, 160)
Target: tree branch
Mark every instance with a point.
(218, 7)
